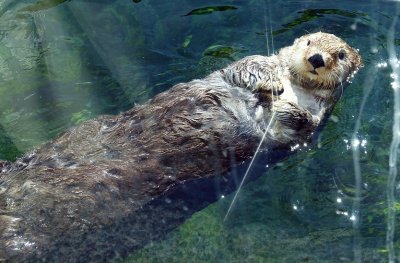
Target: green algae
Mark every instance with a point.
(313, 14)
(220, 51)
(81, 116)
(210, 9)
(43, 5)
(187, 41)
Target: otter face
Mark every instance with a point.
(322, 60)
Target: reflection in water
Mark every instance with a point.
(271, 121)
(356, 144)
(394, 146)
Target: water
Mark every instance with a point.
(62, 62)
(394, 146)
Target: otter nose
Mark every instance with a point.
(316, 61)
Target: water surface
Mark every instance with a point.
(63, 62)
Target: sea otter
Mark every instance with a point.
(111, 184)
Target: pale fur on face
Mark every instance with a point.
(340, 60)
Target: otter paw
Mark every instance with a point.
(271, 88)
(294, 117)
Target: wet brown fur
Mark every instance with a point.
(110, 185)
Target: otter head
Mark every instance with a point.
(321, 60)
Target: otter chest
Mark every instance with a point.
(302, 97)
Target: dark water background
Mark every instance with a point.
(63, 62)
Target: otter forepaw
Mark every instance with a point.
(270, 88)
(290, 115)
(267, 91)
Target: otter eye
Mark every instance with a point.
(308, 42)
(341, 55)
